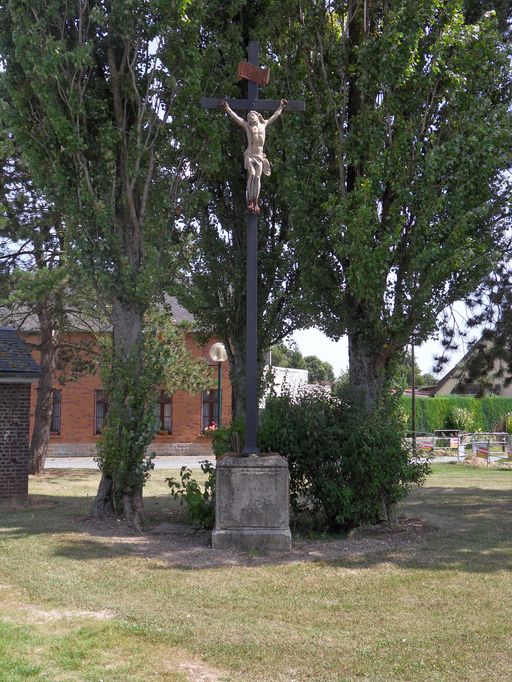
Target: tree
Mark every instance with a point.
(37, 284)
(488, 308)
(90, 102)
(169, 367)
(318, 370)
(409, 137)
(214, 289)
(403, 373)
(289, 355)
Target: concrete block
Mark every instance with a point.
(252, 503)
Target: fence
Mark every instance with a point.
(461, 444)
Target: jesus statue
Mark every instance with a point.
(255, 160)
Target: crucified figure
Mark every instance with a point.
(255, 160)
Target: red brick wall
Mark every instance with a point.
(14, 443)
(78, 405)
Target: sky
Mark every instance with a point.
(314, 342)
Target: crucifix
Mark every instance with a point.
(256, 164)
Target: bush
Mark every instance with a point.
(347, 466)
(504, 424)
(200, 502)
(228, 438)
(436, 413)
(461, 418)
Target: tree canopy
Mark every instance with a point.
(407, 143)
(289, 355)
(214, 287)
(89, 100)
(388, 199)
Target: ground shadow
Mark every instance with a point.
(454, 529)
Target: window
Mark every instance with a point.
(56, 411)
(209, 408)
(100, 411)
(164, 413)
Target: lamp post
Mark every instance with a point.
(218, 354)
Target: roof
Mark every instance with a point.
(15, 357)
(179, 313)
(23, 319)
(457, 368)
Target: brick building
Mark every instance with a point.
(17, 372)
(80, 407)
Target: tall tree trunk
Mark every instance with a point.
(127, 321)
(367, 369)
(43, 410)
(103, 505)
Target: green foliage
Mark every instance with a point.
(200, 502)
(89, 101)
(348, 466)
(318, 370)
(121, 449)
(132, 385)
(427, 379)
(408, 136)
(215, 208)
(504, 423)
(461, 418)
(289, 355)
(228, 438)
(403, 373)
(438, 413)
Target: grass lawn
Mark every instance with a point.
(82, 602)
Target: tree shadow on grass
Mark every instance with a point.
(49, 514)
(441, 529)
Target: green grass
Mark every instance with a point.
(76, 606)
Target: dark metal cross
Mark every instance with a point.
(252, 103)
(255, 76)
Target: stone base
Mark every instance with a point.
(252, 503)
(264, 539)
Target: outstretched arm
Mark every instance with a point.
(277, 112)
(229, 111)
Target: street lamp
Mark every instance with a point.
(218, 354)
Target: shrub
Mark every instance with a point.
(461, 418)
(504, 424)
(200, 502)
(347, 466)
(228, 438)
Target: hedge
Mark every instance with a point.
(435, 413)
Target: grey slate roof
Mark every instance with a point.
(23, 320)
(179, 313)
(15, 358)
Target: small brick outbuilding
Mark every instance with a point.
(17, 371)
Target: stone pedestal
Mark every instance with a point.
(252, 503)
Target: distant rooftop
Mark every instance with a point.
(22, 319)
(15, 359)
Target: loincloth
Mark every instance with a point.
(256, 160)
